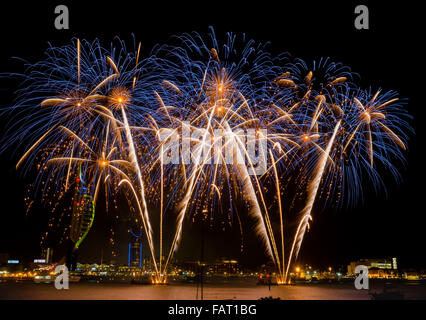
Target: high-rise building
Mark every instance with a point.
(83, 215)
(225, 267)
(135, 254)
(46, 255)
(394, 264)
(384, 264)
(135, 250)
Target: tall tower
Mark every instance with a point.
(394, 264)
(135, 250)
(46, 254)
(83, 214)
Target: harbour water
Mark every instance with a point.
(234, 289)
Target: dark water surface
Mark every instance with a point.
(236, 289)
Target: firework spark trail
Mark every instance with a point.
(84, 106)
(79, 90)
(278, 190)
(250, 193)
(134, 161)
(312, 193)
(218, 82)
(161, 206)
(195, 174)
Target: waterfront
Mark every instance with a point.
(235, 289)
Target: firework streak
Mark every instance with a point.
(198, 127)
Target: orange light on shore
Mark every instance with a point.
(159, 279)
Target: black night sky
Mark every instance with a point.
(387, 56)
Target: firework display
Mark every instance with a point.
(200, 129)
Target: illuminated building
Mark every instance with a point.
(83, 215)
(225, 267)
(135, 250)
(222, 267)
(410, 275)
(374, 265)
(135, 254)
(46, 255)
(375, 272)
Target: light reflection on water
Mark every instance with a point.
(238, 290)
